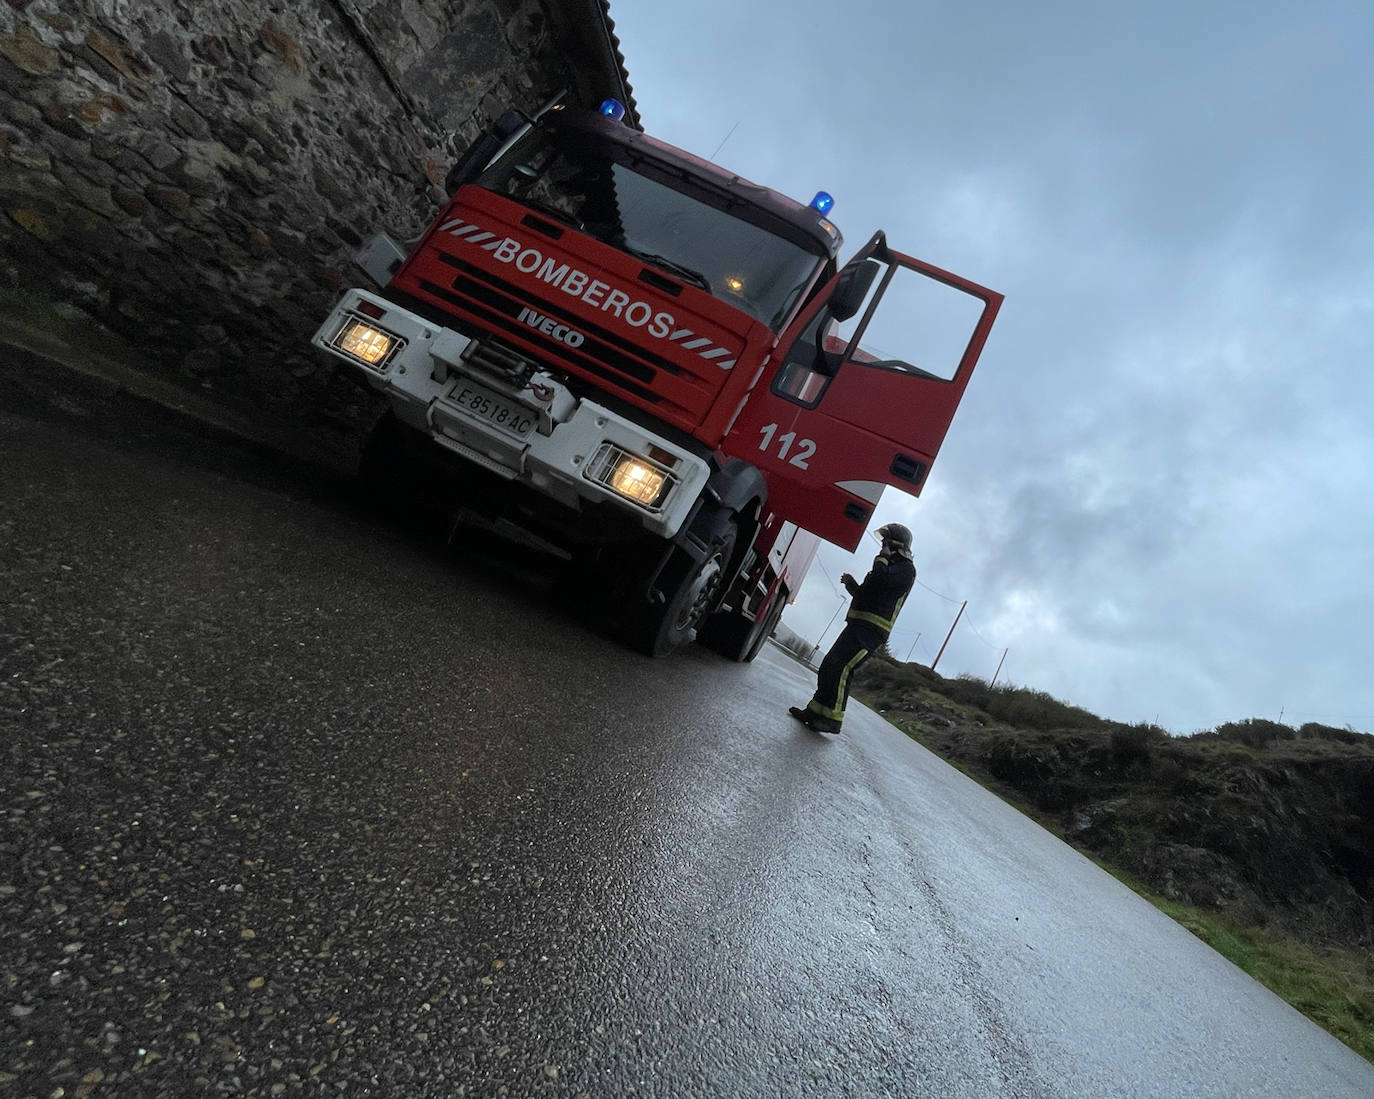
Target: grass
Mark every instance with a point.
(1332, 987)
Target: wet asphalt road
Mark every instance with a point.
(294, 801)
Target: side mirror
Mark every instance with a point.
(480, 152)
(852, 288)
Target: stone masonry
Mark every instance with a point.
(195, 176)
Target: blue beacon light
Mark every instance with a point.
(612, 108)
(822, 202)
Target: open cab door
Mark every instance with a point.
(861, 390)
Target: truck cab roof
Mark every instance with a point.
(730, 189)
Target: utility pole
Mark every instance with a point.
(827, 628)
(911, 650)
(999, 668)
(949, 635)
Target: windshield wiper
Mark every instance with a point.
(682, 272)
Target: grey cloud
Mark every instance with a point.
(1156, 490)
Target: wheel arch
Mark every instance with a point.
(739, 487)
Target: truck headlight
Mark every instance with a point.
(362, 341)
(637, 481)
(632, 476)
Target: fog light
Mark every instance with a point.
(364, 342)
(630, 475)
(637, 481)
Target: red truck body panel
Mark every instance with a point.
(619, 323)
(696, 363)
(874, 426)
(633, 360)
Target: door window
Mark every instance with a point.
(923, 326)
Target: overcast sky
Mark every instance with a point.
(1156, 494)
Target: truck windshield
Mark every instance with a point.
(655, 212)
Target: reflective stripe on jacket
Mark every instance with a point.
(879, 598)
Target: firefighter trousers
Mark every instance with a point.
(856, 643)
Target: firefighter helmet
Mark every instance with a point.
(898, 537)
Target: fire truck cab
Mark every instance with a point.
(657, 366)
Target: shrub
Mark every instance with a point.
(1173, 777)
(1314, 731)
(1031, 709)
(1133, 745)
(1253, 732)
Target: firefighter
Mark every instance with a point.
(872, 614)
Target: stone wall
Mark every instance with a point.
(195, 176)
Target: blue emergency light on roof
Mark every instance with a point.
(822, 202)
(612, 108)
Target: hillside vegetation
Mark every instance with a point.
(1255, 831)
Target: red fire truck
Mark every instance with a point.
(657, 367)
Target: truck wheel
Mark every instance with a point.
(738, 638)
(692, 590)
(765, 630)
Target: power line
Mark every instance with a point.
(940, 594)
(980, 637)
(827, 627)
(896, 645)
(828, 576)
(724, 139)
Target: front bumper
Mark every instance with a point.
(536, 432)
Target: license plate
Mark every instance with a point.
(482, 404)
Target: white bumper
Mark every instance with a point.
(540, 434)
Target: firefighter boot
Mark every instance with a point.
(814, 720)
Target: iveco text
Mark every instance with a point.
(579, 284)
(550, 327)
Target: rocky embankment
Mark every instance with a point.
(1269, 824)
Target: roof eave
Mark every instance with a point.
(597, 66)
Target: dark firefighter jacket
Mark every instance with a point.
(879, 598)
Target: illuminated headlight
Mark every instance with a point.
(362, 341)
(639, 482)
(632, 476)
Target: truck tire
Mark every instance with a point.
(768, 627)
(692, 589)
(741, 639)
